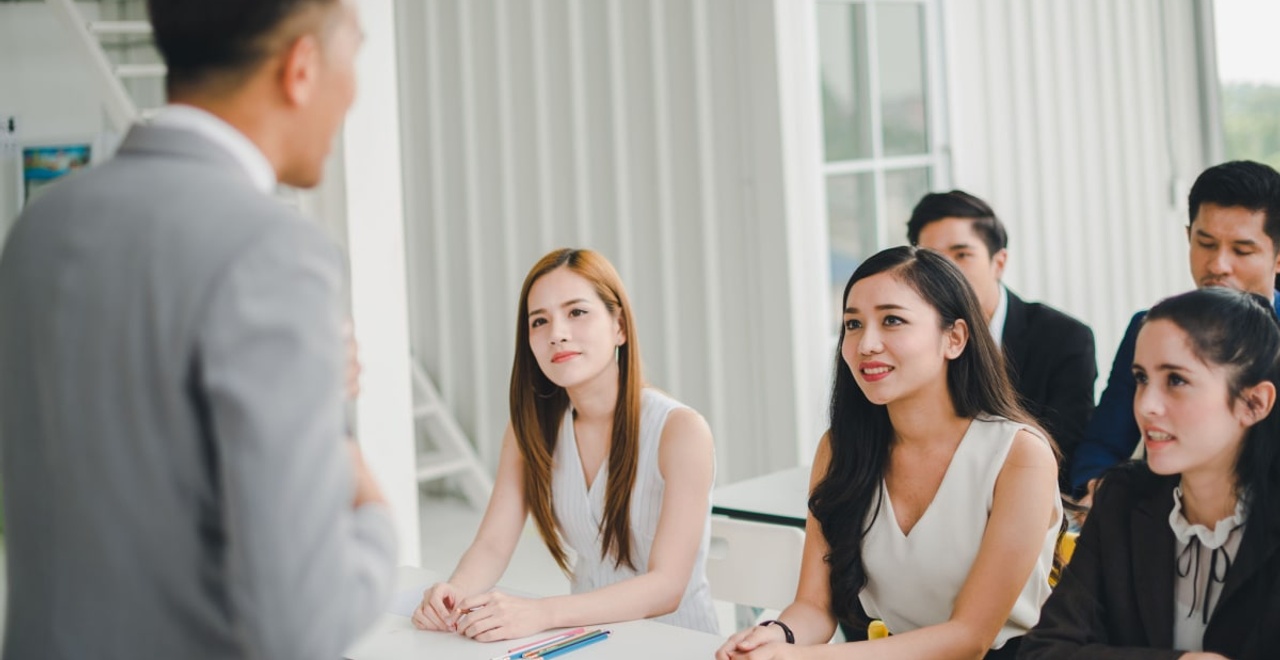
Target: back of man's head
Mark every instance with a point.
(1240, 183)
(212, 46)
(958, 204)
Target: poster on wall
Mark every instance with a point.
(42, 165)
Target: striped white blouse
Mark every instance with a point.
(580, 511)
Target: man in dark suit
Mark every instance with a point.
(1233, 236)
(1050, 355)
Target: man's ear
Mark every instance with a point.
(998, 261)
(300, 69)
(956, 338)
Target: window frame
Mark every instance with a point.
(937, 155)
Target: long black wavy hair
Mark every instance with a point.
(845, 501)
(1238, 331)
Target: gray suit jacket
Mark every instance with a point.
(171, 435)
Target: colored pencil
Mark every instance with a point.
(574, 647)
(549, 644)
(543, 642)
(542, 652)
(517, 652)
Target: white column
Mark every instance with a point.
(807, 253)
(375, 234)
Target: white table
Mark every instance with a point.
(780, 498)
(394, 637)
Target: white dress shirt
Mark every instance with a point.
(1001, 315)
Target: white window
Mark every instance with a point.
(883, 115)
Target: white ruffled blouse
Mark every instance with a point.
(1204, 556)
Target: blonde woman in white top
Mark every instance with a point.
(934, 504)
(619, 473)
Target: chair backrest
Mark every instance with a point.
(753, 563)
(1066, 548)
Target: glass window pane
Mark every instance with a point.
(1249, 82)
(846, 101)
(902, 190)
(851, 214)
(900, 48)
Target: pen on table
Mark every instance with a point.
(558, 637)
(586, 641)
(552, 645)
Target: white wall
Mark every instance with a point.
(1081, 123)
(43, 82)
(663, 134)
(373, 201)
(679, 138)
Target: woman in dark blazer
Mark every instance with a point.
(1180, 556)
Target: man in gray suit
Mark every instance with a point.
(176, 482)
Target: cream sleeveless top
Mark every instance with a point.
(580, 512)
(913, 580)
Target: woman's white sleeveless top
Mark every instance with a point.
(913, 580)
(579, 512)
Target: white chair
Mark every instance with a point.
(753, 565)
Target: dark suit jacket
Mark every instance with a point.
(1051, 361)
(1116, 599)
(1112, 434)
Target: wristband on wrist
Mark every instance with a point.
(786, 630)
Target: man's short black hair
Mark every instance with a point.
(958, 204)
(202, 40)
(1241, 183)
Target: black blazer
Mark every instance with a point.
(1115, 599)
(1050, 357)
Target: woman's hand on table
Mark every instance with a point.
(494, 615)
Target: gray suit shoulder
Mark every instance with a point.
(190, 218)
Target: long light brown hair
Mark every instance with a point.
(538, 407)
